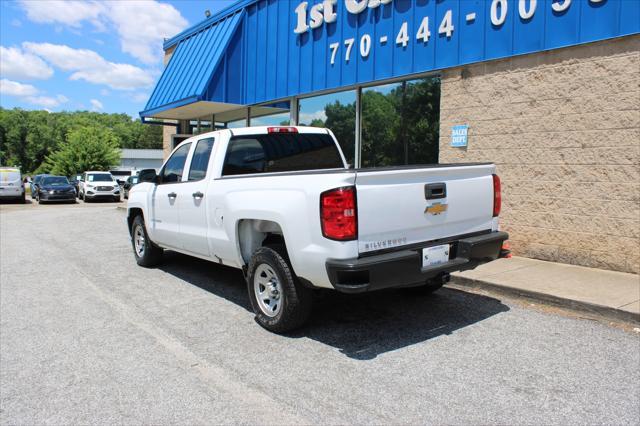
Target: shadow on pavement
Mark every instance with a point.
(361, 326)
(12, 201)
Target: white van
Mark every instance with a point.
(11, 187)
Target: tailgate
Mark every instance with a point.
(394, 209)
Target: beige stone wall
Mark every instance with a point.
(167, 132)
(563, 128)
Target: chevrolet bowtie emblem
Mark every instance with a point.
(436, 208)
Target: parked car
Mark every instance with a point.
(74, 180)
(33, 189)
(55, 189)
(128, 184)
(11, 186)
(281, 204)
(98, 185)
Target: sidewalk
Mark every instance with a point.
(607, 293)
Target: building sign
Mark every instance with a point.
(459, 135)
(421, 28)
(284, 48)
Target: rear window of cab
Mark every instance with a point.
(280, 152)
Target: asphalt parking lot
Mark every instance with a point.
(86, 336)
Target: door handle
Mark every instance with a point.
(172, 195)
(197, 195)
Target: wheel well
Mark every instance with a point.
(256, 233)
(131, 217)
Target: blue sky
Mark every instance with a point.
(88, 55)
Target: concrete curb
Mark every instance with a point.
(574, 305)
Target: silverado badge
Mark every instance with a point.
(436, 208)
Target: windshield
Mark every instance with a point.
(102, 177)
(54, 181)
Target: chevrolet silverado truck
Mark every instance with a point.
(282, 204)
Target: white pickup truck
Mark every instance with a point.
(281, 204)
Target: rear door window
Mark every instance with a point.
(200, 159)
(280, 152)
(9, 175)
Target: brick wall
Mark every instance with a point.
(563, 128)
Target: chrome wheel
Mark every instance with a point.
(268, 290)
(139, 241)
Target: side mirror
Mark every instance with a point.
(148, 175)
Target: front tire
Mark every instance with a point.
(147, 254)
(279, 301)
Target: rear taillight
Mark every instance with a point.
(497, 196)
(338, 214)
(282, 130)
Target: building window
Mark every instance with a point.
(336, 111)
(277, 114)
(236, 123)
(400, 123)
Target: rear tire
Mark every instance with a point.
(279, 301)
(147, 254)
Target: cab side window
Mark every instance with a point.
(172, 170)
(200, 160)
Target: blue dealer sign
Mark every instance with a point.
(459, 136)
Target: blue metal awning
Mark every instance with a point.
(192, 66)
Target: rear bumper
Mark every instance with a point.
(404, 268)
(11, 193)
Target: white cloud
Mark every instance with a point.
(64, 57)
(308, 117)
(14, 63)
(30, 94)
(47, 101)
(96, 105)
(68, 12)
(90, 66)
(140, 25)
(13, 88)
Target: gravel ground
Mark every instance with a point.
(86, 336)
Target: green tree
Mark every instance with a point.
(13, 136)
(341, 119)
(28, 137)
(86, 148)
